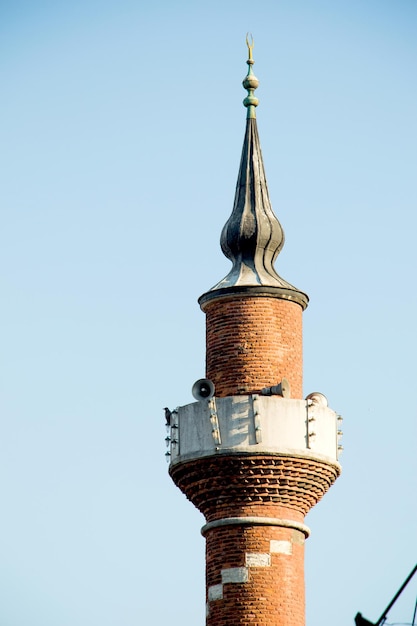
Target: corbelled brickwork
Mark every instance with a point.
(226, 486)
(253, 342)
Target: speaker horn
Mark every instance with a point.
(282, 389)
(203, 389)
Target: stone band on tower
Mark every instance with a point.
(251, 454)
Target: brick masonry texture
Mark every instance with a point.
(273, 594)
(225, 486)
(252, 343)
(266, 486)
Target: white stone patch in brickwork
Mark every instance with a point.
(235, 575)
(215, 592)
(258, 559)
(281, 547)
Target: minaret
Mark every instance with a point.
(251, 454)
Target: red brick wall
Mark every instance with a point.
(253, 342)
(273, 595)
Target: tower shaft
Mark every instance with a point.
(268, 588)
(252, 343)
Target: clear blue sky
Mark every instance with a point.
(121, 125)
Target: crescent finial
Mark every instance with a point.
(250, 45)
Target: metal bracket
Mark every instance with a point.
(175, 432)
(256, 420)
(215, 429)
(339, 434)
(310, 418)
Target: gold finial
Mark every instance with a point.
(250, 45)
(250, 82)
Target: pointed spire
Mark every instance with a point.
(253, 237)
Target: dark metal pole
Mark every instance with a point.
(400, 590)
(414, 614)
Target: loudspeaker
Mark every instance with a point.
(282, 389)
(203, 389)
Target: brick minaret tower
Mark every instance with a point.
(251, 454)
